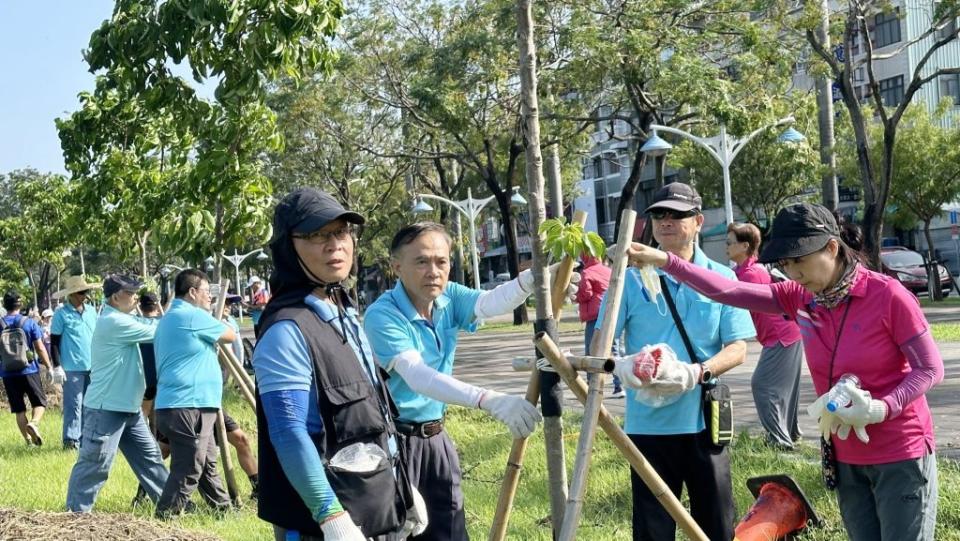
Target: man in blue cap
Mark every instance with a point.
(111, 417)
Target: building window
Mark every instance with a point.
(949, 31)
(613, 164)
(854, 43)
(598, 167)
(600, 201)
(886, 28)
(858, 75)
(950, 86)
(891, 91)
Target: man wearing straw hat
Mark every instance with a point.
(71, 334)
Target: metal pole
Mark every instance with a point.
(725, 165)
(458, 226)
(236, 269)
(472, 216)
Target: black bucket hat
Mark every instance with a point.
(121, 282)
(799, 230)
(676, 196)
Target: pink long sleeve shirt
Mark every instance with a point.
(771, 328)
(885, 341)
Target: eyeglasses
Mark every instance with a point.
(320, 237)
(672, 214)
(203, 290)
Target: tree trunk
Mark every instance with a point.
(933, 274)
(550, 391)
(142, 244)
(218, 248)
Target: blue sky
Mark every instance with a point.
(42, 72)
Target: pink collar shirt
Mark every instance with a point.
(882, 316)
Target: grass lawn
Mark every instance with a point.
(33, 478)
(946, 332)
(952, 300)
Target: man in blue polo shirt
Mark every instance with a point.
(189, 394)
(71, 334)
(112, 417)
(413, 329)
(670, 431)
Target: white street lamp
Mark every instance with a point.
(722, 147)
(237, 259)
(470, 208)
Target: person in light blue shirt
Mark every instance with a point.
(413, 329)
(71, 334)
(189, 394)
(112, 416)
(671, 433)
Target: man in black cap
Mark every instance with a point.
(112, 416)
(20, 335)
(319, 391)
(668, 426)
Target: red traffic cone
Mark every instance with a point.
(781, 509)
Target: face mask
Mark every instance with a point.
(651, 283)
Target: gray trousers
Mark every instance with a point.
(889, 502)
(434, 468)
(776, 392)
(193, 458)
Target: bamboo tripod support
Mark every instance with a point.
(594, 401)
(228, 361)
(511, 477)
(228, 470)
(620, 440)
(221, 428)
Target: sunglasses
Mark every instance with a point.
(318, 237)
(672, 214)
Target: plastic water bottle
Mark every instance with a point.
(839, 397)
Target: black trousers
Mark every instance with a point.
(434, 468)
(691, 460)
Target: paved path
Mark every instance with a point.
(484, 359)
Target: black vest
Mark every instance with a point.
(352, 410)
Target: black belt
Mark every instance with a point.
(428, 429)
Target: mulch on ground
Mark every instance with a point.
(16, 525)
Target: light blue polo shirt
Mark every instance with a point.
(394, 326)
(76, 333)
(188, 372)
(116, 368)
(281, 360)
(709, 325)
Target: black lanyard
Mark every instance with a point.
(836, 346)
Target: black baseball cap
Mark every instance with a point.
(120, 282)
(676, 196)
(306, 210)
(799, 230)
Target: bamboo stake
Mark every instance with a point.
(228, 472)
(241, 371)
(232, 370)
(558, 295)
(622, 442)
(511, 476)
(591, 412)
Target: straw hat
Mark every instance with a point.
(74, 284)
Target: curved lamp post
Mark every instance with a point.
(722, 147)
(237, 259)
(471, 209)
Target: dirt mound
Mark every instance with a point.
(54, 393)
(16, 525)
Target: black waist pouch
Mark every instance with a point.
(718, 413)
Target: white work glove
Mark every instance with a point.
(520, 416)
(341, 528)
(863, 410)
(416, 521)
(544, 364)
(624, 369)
(674, 376)
(526, 280)
(57, 375)
(827, 422)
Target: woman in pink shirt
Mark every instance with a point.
(776, 379)
(852, 321)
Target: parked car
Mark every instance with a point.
(908, 268)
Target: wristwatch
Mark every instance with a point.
(705, 374)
